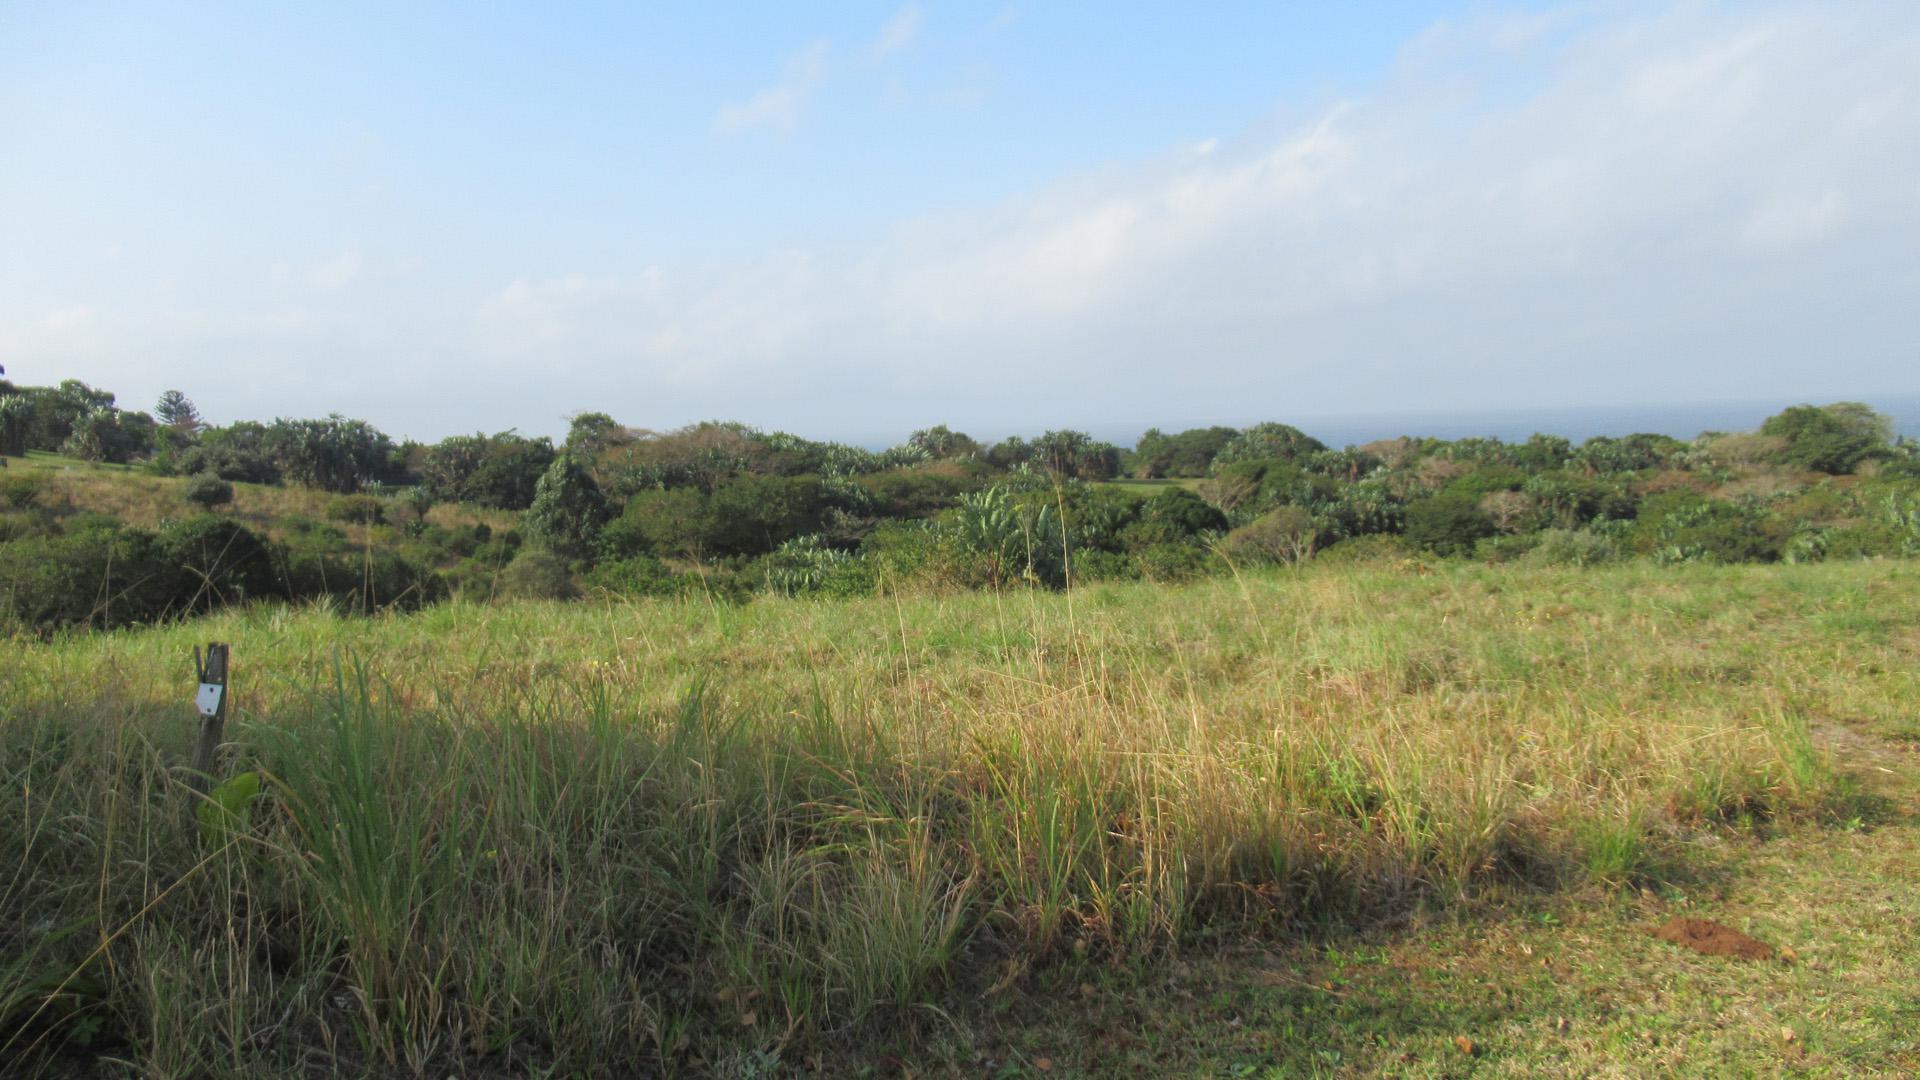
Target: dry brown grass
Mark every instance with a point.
(673, 832)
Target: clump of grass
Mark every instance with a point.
(531, 836)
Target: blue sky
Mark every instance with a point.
(855, 219)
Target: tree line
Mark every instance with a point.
(724, 508)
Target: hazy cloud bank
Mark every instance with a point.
(1636, 205)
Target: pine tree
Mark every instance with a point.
(177, 411)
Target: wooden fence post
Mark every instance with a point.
(212, 702)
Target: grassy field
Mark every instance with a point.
(140, 498)
(1150, 487)
(1348, 820)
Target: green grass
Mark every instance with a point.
(1281, 825)
(141, 498)
(1148, 487)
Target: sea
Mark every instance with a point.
(1577, 423)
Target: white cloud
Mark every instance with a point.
(1694, 203)
(1594, 237)
(337, 271)
(1788, 221)
(63, 319)
(777, 108)
(898, 33)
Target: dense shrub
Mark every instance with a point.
(1185, 513)
(1367, 508)
(1573, 547)
(1098, 517)
(501, 471)
(1831, 438)
(806, 566)
(1093, 564)
(670, 521)
(358, 582)
(357, 509)
(1189, 453)
(1372, 548)
(20, 526)
(916, 493)
(1173, 562)
(239, 452)
(224, 561)
(568, 510)
(334, 454)
(901, 552)
(1628, 453)
(1285, 535)
(1281, 441)
(538, 574)
(207, 490)
(18, 491)
(1682, 527)
(110, 435)
(638, 575)
(1486, 480)
(999, 539)
(1506, 547)
(1449, 524)
(98, 574)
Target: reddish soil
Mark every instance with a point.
(1703, 936)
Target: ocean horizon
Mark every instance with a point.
(1577, 422)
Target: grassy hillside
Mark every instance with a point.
(138, 497)
(977, 834)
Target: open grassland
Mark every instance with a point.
(141, 498)
(980, 834)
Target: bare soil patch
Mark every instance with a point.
(1712, 939)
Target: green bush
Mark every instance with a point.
(19, 490)
(1573, 547)
(1830, 438)
(923, 492)
(1371, 548)
(207, 490)
(806, 566)
(1284, 536)
(1448, 524)
(222, 561)
(357, 509)
(1270, 440)
(1505, 548)
(909, 552)
(1868, 541)
(318, 532)
(638, 575)
(1187, 513)
(1685, 527)
(1100, 517)
(568, 510)
(238, 452)
(538, 574)
(456, 542)
(1092, 564)
(1486, 480)
(20, 526)
(1173, 562)
(358, 582)
(97, 574)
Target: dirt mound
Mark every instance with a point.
(1705, 936)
